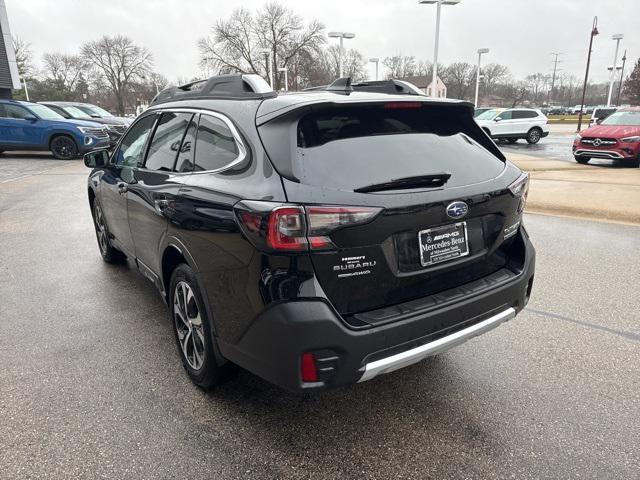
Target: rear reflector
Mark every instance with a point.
(308, 368)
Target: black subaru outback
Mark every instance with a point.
(315, 238)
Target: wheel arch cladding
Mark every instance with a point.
(171, 258)
(69, 135)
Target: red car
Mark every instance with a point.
(617, 137)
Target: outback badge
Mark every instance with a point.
(457, 209)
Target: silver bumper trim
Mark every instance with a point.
(598, 153)
(404, 359)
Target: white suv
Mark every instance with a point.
(512, 124)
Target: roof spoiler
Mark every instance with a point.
(236, 86)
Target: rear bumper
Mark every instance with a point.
(273, 346)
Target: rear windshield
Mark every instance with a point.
(350, 147)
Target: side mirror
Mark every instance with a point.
(599, 121)
(31, 118)
(497, 119)
(97, 158)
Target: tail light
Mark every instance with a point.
(520, 188)
(294, 228)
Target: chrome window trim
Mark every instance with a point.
(242, 149)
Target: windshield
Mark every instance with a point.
(623, 118)
(94, 111)
(45, 112)
(76, 112)
(488, 115)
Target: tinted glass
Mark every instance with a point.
(15, 111)
(215, 146)
(349, 147)
(185, 157)
(519, 114)
(131, 151)
(603, 112)
(166, 141)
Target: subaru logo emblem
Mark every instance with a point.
(457, 209)
(597, 142)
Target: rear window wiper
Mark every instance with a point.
(432, 180)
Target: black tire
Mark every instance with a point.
(635, 163)
(194, 336)
(582, 160)
(107, 251)
(533, 136)
(512, 140)
(63, 147)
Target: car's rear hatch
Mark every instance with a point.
(415, 161)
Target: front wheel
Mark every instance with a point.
(582, 160)
(533, 136)
(193, 329)
(64, 148)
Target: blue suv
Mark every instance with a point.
(30, 126)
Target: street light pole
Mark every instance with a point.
(341, 36)
(624, 60)
(617, 37)
(594, 32)
(439, 4)
(26, 91)
(267, 59)
(375, 60)
(480, 52)
(286, 78)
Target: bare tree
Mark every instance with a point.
(537, 83)
(494, 74)
(24, 57)
(65, 71)
(120, 62)
(400, 66)
(239, 43)
(459, 77)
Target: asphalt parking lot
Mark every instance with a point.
(555, 146)
(91, 384)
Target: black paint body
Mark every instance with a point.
(267, 308)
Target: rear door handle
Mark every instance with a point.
(122, 188)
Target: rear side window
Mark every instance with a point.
(216, 146)
(520, 114)
(131, 151)
(166, 141)
(349, 147)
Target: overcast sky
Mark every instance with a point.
(521, 34)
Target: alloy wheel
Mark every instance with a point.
(101, 229)
(64, 147)
(188, 323)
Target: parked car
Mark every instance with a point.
(285, 241)
(98, 112)
(617, 137)
(512, 124)
(600, 113)
(31, 126)
(576, 110)
(480, 110)
(114, 126)
(557, 110)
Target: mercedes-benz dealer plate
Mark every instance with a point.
(443, 243)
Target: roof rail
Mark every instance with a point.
(391, 87)
(235, 86)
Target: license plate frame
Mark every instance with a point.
(446, 236)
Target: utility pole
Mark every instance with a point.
(553, 77)
(624, 60)
(594, 32)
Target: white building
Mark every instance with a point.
(424, 83)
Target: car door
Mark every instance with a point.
(522, 121)
(119, 176)
(21, 128)
(503, 126)
(152, 197)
